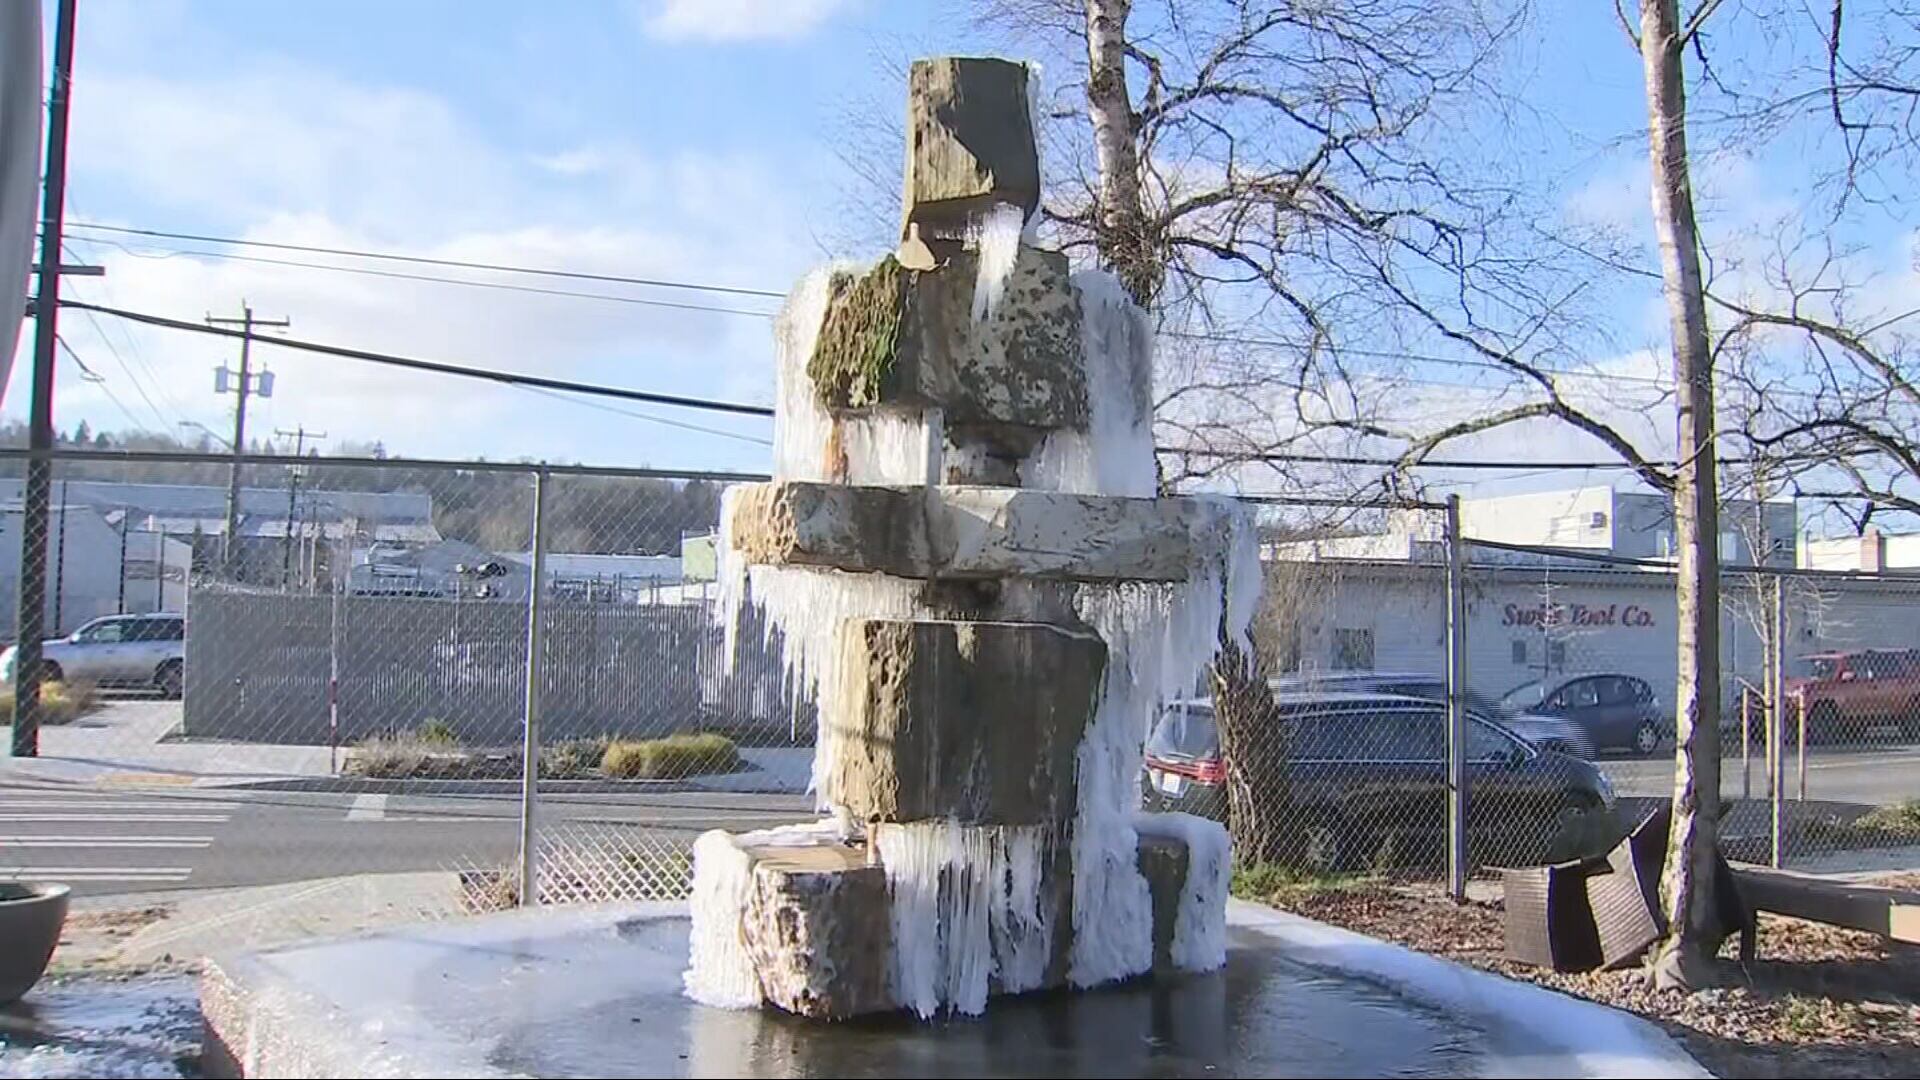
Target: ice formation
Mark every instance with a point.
(1115, 455)
(978, 903)
(998, 241)
(1199, 931)
(719, 972)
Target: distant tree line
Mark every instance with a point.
(493, 510)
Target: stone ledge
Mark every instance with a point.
(975, 532)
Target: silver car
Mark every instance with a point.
(146, 651)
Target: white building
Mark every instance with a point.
(1871, 552)
(1379, 601)
(97, 564)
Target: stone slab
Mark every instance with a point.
(896, 337)
(976, 532)
(970, 141)
(978, 722)
(817, 929)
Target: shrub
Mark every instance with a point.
(670, 758)
(572, 758)
(1896, 820)
(437, 732)
(60, 702)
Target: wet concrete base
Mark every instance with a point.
(596, 992)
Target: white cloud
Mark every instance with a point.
(736, 20)
(305, 157)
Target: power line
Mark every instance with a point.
(508, 378)
(438, 279)
(578, 275)
(683, 425)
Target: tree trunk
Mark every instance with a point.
(1121, 236)
(1684, 959)
(1253, 745)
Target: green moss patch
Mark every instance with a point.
(853, 357)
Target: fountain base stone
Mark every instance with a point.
(597, 992)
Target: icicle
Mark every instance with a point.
(719, 972)
(801, 426)
(965, 906)
(997, 239)
(885, 447)
(1200, 923)
(1114, 456)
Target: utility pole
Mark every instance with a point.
(31, 615)
(229, 547)
(299, 435)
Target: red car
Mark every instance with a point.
(1849, 695)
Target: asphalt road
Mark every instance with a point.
(1871, 775)
(106, 842)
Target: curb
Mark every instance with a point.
(1601, 1040)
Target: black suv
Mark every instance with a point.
(1366, 770)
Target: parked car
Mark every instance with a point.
(1613, 710)
(145, 651)
(1547, 732)
(1846, 695)
(1363, 770)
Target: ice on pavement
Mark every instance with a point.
(102, 1027)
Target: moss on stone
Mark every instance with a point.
(854, 354)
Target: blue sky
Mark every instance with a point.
(693, 140)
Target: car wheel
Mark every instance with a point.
(169, 679)
(1646, 738)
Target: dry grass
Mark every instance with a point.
(1818, 1001)
(60, 702)
(671, 758)
(572, 759)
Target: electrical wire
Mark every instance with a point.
(314, 249)
(436, 279)
(509, 378)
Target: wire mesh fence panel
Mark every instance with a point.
(650, 730)
(308, 697)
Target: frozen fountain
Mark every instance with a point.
(963, 551)
(975, 582)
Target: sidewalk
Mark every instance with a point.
(125, 741)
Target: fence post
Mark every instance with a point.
(1776, 731)
(530, 745)
(1456, 704)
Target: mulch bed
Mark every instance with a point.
(1817, 1002)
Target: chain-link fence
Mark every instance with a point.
(338, 688)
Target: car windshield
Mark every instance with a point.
(1185, 731)
(1525, 696)
(1816, 667)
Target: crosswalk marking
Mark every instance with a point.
(106, 841)
(368, 808)
(121, 817)
(106, 826)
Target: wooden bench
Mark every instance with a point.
(1877, 909)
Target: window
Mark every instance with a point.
(1583, 693)
(101, 633)
(1616, 690)
(1519, 650)
(1557, 655)
(1488, 743)
(1410, 736)
(154, 629)
(1352, 649)
(1186, 730)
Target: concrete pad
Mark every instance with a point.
(596, 992)
(976, 532)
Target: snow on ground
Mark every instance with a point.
(101, 1027)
